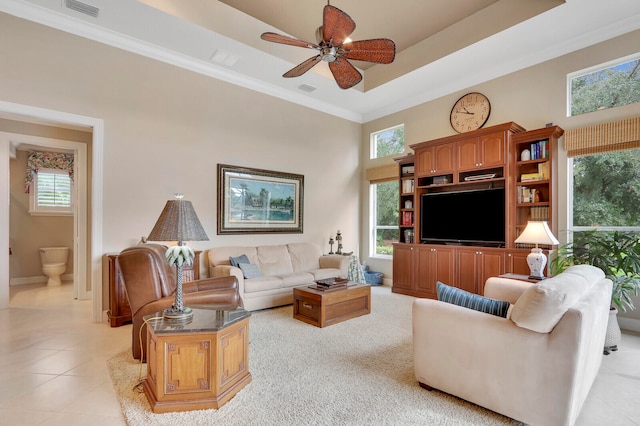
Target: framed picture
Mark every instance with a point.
(259, 201)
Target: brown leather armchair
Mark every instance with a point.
(151, 284)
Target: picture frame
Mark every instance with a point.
(259, 201)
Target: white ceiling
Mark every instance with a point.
(442, 49)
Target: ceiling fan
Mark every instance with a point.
(335, 48)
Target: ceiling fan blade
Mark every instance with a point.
(300, 69)
(378, 50)
(282, 39)
(336, 25)
(346, 75)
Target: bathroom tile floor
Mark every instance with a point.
(53, 366)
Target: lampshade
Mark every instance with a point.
(178, 222)
(537, 232)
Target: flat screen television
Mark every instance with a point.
(474, 217)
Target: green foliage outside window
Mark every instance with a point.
(607, 88)
(606, 189)
(388, 142)
(387, 194)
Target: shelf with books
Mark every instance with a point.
(407, 207)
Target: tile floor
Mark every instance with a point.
(53, 366)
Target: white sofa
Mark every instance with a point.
(536, 365)
(283, 267)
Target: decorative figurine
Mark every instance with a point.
(330, 245)
(339, 240)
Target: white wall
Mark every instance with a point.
(166, 129)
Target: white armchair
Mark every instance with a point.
(537, 365)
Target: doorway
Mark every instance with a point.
(91, 267)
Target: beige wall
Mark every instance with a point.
(28, 233)
(532, 98)
(166, 129)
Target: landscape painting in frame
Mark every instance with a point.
(258, 201)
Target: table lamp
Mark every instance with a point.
(178, 222)
(537, 232)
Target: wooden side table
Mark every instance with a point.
(324, 308)
(199, 364)
(519, 277)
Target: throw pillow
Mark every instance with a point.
(235, 261)
(465, 299)
(249, 270)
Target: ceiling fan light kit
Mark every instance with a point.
(335, 48)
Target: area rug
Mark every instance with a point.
(353, 373)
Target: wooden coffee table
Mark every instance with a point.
(325, 308)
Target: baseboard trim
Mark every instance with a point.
(36, 280)
(629, 324)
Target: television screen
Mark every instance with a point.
(465, 217)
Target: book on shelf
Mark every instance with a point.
(407, 218)
(543, 170)
(407, 185)
(528, 177)
(539, 149)
(408, 170)
(540, 213)
(527, 195)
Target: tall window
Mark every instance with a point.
(387, 142)
(384, 205)
(605, 86)
(51, 194)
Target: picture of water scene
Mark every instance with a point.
(261, 201)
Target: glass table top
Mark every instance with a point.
(205, 319)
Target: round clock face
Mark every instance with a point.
(470, 112)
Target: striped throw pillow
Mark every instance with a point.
(465, 299)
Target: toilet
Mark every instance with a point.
(54, 263)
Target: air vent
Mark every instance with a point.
(306, 88)
(78, 6)
(224, 58)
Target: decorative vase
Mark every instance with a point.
(613, 336)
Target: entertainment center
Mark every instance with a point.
(464, 199)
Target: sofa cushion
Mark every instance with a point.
(323, 274)
(221, 255)
(274, 260)
(296, 279)
(465, 299)
(542, 305)
(250, 270)
(235, 261)
(262, 284)
(304, 256)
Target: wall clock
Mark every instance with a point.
(470, 112)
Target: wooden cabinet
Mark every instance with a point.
(481, 152)
(407, 208)
(475, 265)
(119, 312)
(435, 160)
(403, 266)
(434, 263)
(492, 157)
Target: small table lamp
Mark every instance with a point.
(178, 222)
(537, 232)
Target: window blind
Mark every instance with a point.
(605, 137)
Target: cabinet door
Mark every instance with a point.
(492, 266)
(492, 149)
(434, 263)
(468, 154)
(403, 266)
(424, 162)
(443, 158)
(468, 270)
(516, 262)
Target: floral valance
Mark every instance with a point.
(47, 160)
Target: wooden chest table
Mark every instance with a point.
(324, 308)
(198, 364)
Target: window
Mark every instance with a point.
(51, 193)
(387, 142)
(384, 208)
(604, 86)
(606, 190)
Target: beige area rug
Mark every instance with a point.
(354, 373)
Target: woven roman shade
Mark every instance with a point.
(382, 173)
(605, 137)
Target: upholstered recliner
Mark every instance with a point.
(536, 365)
(151, 284)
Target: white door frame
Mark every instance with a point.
(51, 117)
